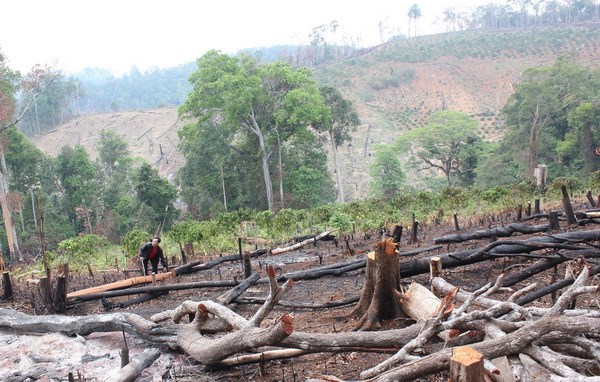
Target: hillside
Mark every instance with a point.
(394, 86)
(151, 134)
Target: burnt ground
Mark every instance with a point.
(103, 354)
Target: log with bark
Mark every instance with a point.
(280, 250)
(502, 231)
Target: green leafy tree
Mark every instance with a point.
(212, 176)
(550, 117)
(156, 197)
(308, 181)
(77, 176)
(387, 177)
(447, 144)
(584, 137)
(8, 87)
(115, 178)
(112, 149)
(344, 118)
(497, 166)
(531, 110)
(269, 102)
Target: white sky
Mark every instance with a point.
(116, 34)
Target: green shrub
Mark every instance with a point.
(133, 240)
(81, 250)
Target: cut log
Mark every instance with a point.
(435, 267)
(149, 289)
(419, 303)
(121, 284)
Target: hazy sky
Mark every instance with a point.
(116, 34)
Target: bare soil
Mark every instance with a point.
(98, 354)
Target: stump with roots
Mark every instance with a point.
(381, 297)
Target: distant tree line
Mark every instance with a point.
(522, 14)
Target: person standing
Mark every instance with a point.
(153, 253)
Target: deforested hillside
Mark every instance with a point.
(150, 134)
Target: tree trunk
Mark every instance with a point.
(341, 196)
(11, 232)
(280, 166)
(223, 188)
(265, 162)
(380, 298)
(567, 206)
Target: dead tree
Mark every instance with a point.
(380, 297)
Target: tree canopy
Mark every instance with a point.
(447, 144)
(261, 106)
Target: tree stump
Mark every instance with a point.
(380, 297)
(8, 291)
(466, 365)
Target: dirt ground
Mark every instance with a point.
(95, 356)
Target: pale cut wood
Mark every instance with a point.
(122, 284)
(421, 304)
(466, 365)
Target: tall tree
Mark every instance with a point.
(156, 197)
(414, 13)
(447, 144)
(77, 175)
(214, 172)
(246, 97)
(531, 109)
(386, 172)
(537, 113)
(583, 121)
(343, 119)
(7, 106)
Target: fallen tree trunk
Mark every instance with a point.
(328, 270)
(150, 289)
(121, 284)
(544, 264)
(512, 343)
(278, 251)
(237, 291)
(503, 231)
(455, 259)
(296, 305)
(197, 266)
